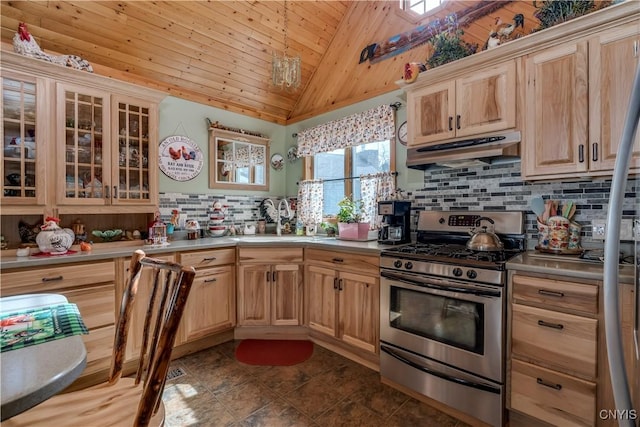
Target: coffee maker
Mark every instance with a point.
(396, 217)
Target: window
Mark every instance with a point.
(335, 165)
(421, 7)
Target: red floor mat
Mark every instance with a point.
(274, 352)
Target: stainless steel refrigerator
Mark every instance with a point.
(625, 384)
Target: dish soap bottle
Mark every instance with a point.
(299, 228)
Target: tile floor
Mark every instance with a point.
(326, 390)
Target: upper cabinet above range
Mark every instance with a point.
(76, 142)
(475, 103)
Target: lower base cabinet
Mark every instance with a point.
(342, 298)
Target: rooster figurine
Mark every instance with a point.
(25, 44)
(503, 31)
(52, 239)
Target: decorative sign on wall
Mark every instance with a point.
(180, 158)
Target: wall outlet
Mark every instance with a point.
(626, 229)
(599, 229)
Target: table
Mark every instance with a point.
(33, 374)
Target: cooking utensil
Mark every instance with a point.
(537, 206)
(566, 209)
(572, 211)
(484, 240)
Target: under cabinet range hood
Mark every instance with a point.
(466, 152)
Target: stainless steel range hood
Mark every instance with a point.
(466, 152)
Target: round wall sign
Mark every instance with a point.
(180, 158)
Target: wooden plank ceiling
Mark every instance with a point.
(218, 53)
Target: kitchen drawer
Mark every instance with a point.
(270, 255)
(554, 293)
(364, 263)
(559, 399)
(560, 340)
(209, 258)
(58, 278)
(96, 304)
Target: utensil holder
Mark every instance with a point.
(558, 232)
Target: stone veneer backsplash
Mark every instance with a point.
(490, 187)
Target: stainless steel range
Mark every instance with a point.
(443, 311)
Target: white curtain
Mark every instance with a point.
(376, 124)
(375, 188)
(310, 201)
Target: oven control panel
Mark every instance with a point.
(463, 220)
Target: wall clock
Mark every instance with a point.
(402, 133)
(180, 158)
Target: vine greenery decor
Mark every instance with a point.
(553, 12)
(448, 45)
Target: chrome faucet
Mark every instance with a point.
(288, 212)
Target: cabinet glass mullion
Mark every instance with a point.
(133, 157)
(83, 161)
(19, 139)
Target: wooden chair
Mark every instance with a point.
(135, 400)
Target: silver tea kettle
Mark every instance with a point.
(484, 239)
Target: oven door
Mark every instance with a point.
(453, 322)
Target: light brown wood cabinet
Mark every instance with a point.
(89, 285)
(553, 351)
(479, 102)
(342, 297)
(269, 287)
(576, 98)
(107, 133)
(211, 306)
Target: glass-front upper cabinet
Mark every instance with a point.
(84, 130)
(238, 161)
(133, 177)
(23, 154)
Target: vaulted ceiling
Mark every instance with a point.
(219, 53)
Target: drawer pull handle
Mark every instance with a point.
(337, 260)
(209, 259)
(548, 384)
(335, 283)
(52, 279)
(210, 280)
(551, 293)
(550, 325)
(274, 275)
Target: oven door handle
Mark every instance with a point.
(461, 381)
(434, 284)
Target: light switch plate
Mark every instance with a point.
(599, 229)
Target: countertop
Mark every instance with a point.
(109, 251)
(566, 265)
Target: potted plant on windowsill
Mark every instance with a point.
(350, 225)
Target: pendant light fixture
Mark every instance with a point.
(285, 70)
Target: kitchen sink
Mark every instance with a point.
(274, 238)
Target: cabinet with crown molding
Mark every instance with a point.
(104, 158)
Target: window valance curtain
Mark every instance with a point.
(376, 124)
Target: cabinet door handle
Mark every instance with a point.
(550, 293)
(450, 123)
(268, 276)
(581, 153)
(107, 192)
(335, 283)
(340, 284)
(209, 259)
(274, 275)
(210, 280)
(594, 151)
(52, 279)
(548, 384)
(337, 260)
(550, 325)
(458, 121)
(115, 191)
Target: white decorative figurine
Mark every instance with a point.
(53, 239)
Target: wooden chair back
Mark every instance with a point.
(169, 289)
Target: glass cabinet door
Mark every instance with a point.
(21, 170)
(84, 158)
(132, 177)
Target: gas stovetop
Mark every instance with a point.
(440, 248)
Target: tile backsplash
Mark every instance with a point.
(490, 187)
(500, 187)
